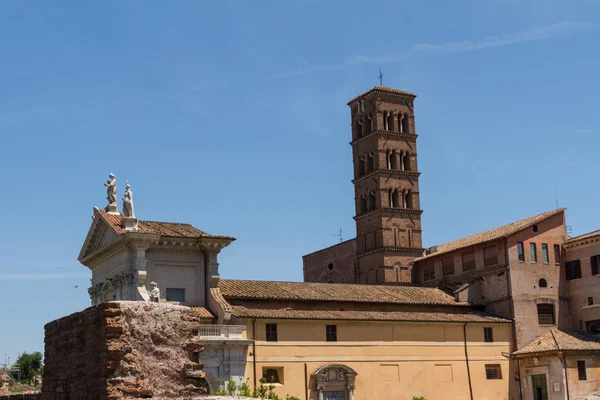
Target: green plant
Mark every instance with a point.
(221, 391)
(244, 388)
(231, 387)
(288, 397)
(418, 398)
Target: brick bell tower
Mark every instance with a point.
(386, 185)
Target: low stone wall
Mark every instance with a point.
(123, 349)
(22, 396)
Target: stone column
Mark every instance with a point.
(212, 267)
(400, 124)
(320, 389)
(385, 121)
(401, 160)
(139, 270)
(350, 391)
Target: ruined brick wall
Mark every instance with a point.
(76, 356)
(123, 349)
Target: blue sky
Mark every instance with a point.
(232, 116)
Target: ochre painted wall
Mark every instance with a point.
(392, 359)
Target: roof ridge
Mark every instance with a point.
(554, 338)
(495, 233)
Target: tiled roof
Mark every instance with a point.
(204, 313)
(244, 312)
(171, 229)
(310, 291)
(558, 340)
(585, 236)
(382, 88)
(492, 234)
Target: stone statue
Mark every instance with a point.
(128, 211)
(154, 293)
(111, 193)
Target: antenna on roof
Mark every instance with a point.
(555, 195)
(340, 235)
(380, 78)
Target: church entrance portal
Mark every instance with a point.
(334, 382)
(540, 391)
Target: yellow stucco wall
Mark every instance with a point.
(393, 360)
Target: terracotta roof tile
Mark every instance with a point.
(170, 229)
(244, 312)
(561, 340)
(204, 313)
(310, 291)
(585, 236)
(382, 88)
(492, 234)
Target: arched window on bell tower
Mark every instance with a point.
(406, 161)
(358, 129)
(406, 124)
(408, 199)
(362, 201)
(361, 166)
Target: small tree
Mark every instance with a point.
(31, 365)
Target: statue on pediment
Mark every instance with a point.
(128, 211)
(111, 194)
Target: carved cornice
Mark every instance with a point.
(215, 244)
(386, 135)
(409, 211)
(387, 171)
(413, 251)
(102, 254)
(582, 242)
(175, 248)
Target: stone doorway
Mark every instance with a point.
(540, 389)
(334, 382)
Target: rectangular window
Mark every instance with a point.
(271, 332)
(595, 260)
(581, 372)
(174, 294)
(573, 269)
(493, 371)
(521, 251)
(535, 228)
(590, 301)
(545, 314)
(533, 251)
(488, 335)
(448, 266)
(273, 375)
(428, 271)
(468, 261)
(490, 255)
(545, 255)
(331, 333)
(556, 254)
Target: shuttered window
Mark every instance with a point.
(448, 266)
(581, 371)
(573, 269)
(556, 254)
(428, 271)
(490, 255)
(468, 261)
(595, 264)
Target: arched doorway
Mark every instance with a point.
(334, 382)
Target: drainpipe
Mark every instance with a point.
(566, 376)
(305, 382)
(467, 360)
(254, 349)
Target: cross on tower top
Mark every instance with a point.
(380, 78)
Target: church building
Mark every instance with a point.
(509, 313)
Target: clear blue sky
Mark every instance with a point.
(232, 116)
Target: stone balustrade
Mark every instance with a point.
(221, 332)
